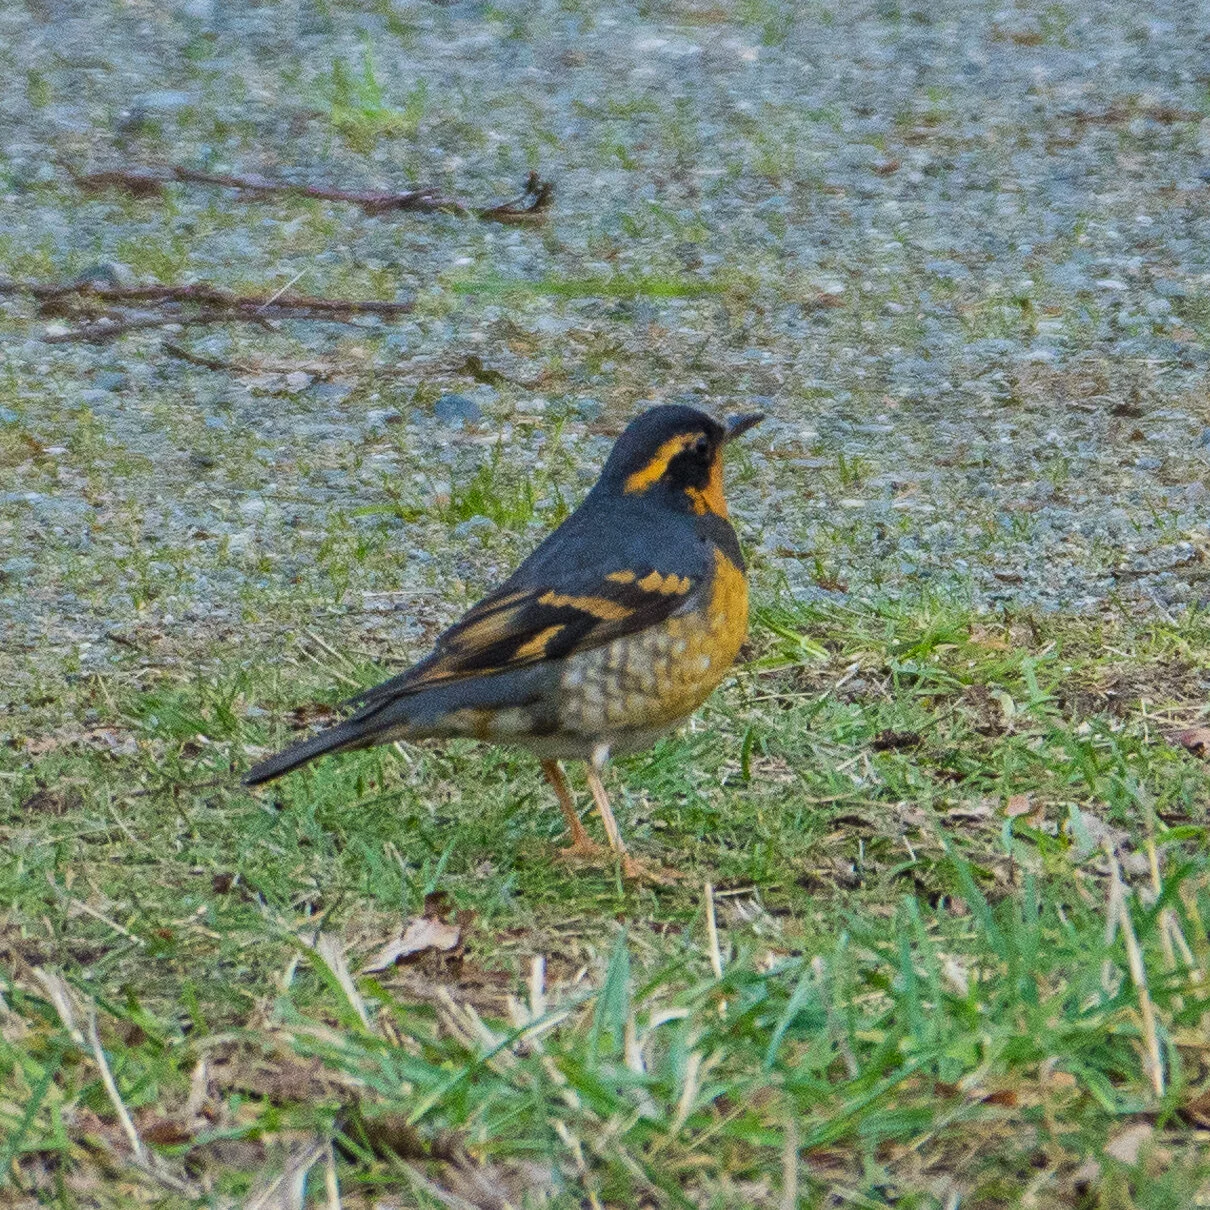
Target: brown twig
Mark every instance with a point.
(207, 363)
(137, 184)
(202, 292)
(530, 206)
(471, 367)
(200, 303)
(372, 201)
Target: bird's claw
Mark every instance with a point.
(635, 869)
(583, 851)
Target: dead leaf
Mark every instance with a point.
(54, 801)
(955, 976)
(1126, 1144)
(106, 739)
(1086, 1176)
(983, 637)
(1195, 741)
(982, 808)
(1197, 1110)
(472, 1181)
(824, 301)
(280, 1077)
(391, 1134)
(1001, 1096)
(887, 741)
(420, 936)
(166, 1132)
(312, 712)
(1017, 805)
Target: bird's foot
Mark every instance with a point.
(582, 849)
(635, 869)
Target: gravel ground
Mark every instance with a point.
(957, 251)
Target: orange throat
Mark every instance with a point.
(710, 499)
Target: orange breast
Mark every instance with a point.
(728, 607)
(654, 679)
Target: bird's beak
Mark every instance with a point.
(737, 426)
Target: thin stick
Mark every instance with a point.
(203, 293)
(331, 1183)
(789, 1165)
(1153, 1062)
(173, 305)
(537, 987)
(336, 655)
(207, 363)
(98, 331)
(716, 954)
(94, 1042)
(55, 987)
(530, 206)
(332, 954)
(72, 902)
(334, 672)
(278, 293)
(285, 1188)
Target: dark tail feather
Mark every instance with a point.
(391, 711)
(397, 686)
(341, 738)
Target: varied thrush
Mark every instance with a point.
(612, 632)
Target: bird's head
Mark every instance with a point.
(674, 455)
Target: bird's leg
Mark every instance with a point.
(582, 845)
(606, 812)
(632, 867)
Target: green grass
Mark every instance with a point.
(620, 285)
(935, 841)
(359, 109)
(957, 866)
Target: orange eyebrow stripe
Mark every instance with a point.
(538, 644)
(598, 607)
(621, 577)
(642, 479)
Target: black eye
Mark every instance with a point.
(701, 448)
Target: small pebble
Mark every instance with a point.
(457, 409)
